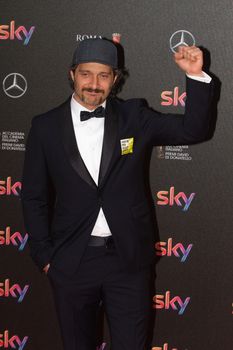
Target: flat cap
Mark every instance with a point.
(96, 50)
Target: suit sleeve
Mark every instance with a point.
(36, 199)
(178, 129)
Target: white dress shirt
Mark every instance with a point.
(89, 137)
(205, 79)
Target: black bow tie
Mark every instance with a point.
(97, 113)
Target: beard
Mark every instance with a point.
(92, 101)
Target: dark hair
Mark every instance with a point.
(121, 74)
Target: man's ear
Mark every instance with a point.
(72, 75)
(115, 78)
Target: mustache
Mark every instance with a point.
(93, 90)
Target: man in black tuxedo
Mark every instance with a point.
(85, 200)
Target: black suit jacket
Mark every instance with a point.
(61, 201)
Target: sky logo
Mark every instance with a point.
(12, 342)
(168, 249)
(15, 238)
(14, 291)
(11, 32)
(173, 98)
(163, 347)
(170, 198)
(166, 302)
(6, 187)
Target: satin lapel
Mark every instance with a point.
(70, 144)
(109, 141)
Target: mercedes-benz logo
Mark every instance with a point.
(14, 85)
(181, 38)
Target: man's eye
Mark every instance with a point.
(83, 74)
(104, 76)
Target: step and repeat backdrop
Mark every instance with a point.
(191, 186)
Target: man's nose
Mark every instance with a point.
(94, 82)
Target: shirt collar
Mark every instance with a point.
(77, 108)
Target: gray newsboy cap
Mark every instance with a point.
(96, 50)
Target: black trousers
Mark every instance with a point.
(126, 298)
